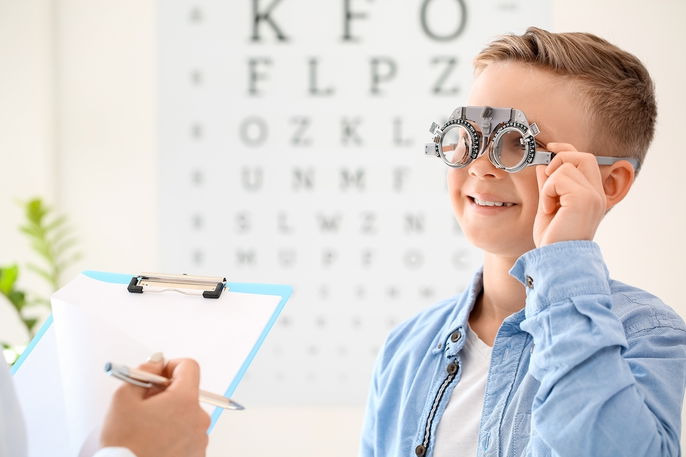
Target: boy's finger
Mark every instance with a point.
(566, 180)
(548, 198)
(559, 147)
(564, 155)
(568, 185)
(546, 202)
(555, 191)
(573, 172)
(567, 153)
(541, 176)
(560, 150)
(583, 163)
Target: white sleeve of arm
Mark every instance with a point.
(114, 452)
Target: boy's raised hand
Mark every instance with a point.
(571, 198)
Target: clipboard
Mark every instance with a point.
(100, 317)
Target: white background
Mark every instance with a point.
(78, 113)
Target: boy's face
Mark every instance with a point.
(555, 104)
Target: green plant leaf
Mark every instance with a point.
(56, 223)
(43, 249)
(35, 211)
(8, 276)
(30, 323)
(32, 230)
(50, 237)
(13, 353)
(63, 246)
(17, 298)
(41, 272)
(38, 301)
(58, 233)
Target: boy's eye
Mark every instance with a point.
(516, 143)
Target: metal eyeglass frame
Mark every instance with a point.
(494, 123)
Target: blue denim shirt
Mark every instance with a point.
(590, 367)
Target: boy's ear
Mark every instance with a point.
(617, 180)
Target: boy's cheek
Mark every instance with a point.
(454, 184)
(454, 180)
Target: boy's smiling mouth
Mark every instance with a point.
(487, 201)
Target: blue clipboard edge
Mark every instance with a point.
(32, 344)
(243, 287)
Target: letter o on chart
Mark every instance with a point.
(254, 131)
(442, 14)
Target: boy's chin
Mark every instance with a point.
(503, 247)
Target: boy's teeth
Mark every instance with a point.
(487, 203)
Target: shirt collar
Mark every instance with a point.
(464, 305)
(457, 323)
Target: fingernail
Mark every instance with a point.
(156, 357)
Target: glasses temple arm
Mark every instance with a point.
(544, 158)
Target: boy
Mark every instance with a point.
(543, 355)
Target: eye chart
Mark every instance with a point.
(292, 140)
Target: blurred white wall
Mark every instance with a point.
(77, 109)
(27, 119)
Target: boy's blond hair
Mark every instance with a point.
(619, 92)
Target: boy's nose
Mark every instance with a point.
(483, 168)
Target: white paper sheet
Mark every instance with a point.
(95, 322)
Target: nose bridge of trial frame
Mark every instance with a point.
(486, 118)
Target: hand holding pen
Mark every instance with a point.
(158, 383)
(156, 422)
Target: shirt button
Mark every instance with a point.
(529, 282)
(420, 450)
(455, 337)
(452, 368)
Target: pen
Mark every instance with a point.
(144, 379)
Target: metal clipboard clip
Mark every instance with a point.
(211, 286)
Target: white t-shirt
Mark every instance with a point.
(458, 430)
(12, 432)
